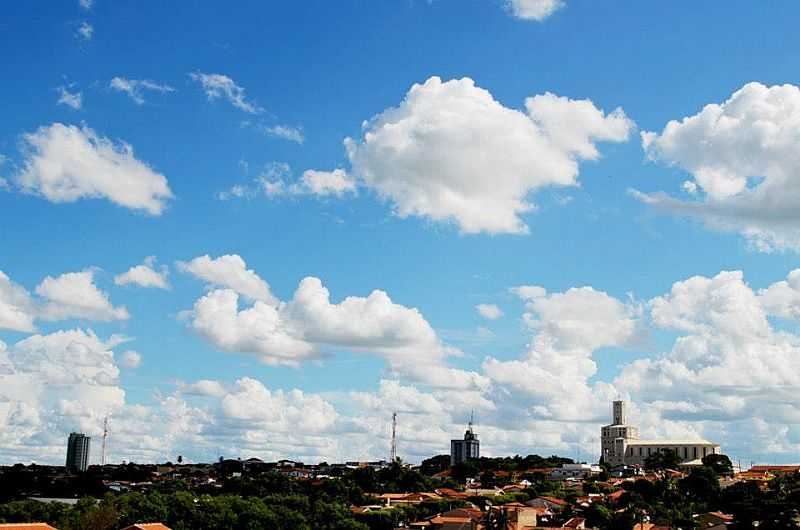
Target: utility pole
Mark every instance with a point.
(393, 454)
(105, 435)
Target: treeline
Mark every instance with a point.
(674, 502)
(474, 467)
(263, 501)
(186, 511)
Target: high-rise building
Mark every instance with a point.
(77, 452)
(466, 449)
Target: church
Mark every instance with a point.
(620, 444)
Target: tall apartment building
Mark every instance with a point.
(463, 450)
(620, 443)
(77, 452)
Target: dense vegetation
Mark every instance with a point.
(264, 500)
(674, 501)
(271, 500)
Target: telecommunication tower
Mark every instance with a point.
(393, 454)
(105, 435)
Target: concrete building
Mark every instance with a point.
(77, 452)
(620, 443)
(463, 450)
(575, 471)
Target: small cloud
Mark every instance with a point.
(484, 333)
(135, 87)
(325, 183)
(85, 31)
(70, 99)
(218, 86)
(3, 182)
(690, 187)
(562, 200)
(293, 134)
(529, 292)
(273, 182)
(130, 360)
(537, 10)
(145, 275)
(203, 387)
(86, 4)
(489, 311)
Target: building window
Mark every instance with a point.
(640, 451)
(694, 450)
(685, 451)
(704, 451)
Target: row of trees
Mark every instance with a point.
(474, 467)
(185, 511)
(674, 502)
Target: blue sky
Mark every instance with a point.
(430, 227)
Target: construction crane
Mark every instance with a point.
(393, 454)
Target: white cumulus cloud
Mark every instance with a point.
(451, 152)
(554, 373)
(310, 325)
(323, 183)
(742, 155)
(64, 163)
(145, 275)
(489, 311)
(75, 295)
(729, 369)
(230, 271)
(17, 309)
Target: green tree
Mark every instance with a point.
(721, 464)
(435, 464)
(660, 460)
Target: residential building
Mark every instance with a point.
(457, 519)
(519, 516)
(620, 443)
(466, 449)
(575, 471)
(77, 452)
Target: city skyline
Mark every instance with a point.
(260, 230)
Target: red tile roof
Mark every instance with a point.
(449, 492)
(554, 500)
(775, 469)
(147, 526)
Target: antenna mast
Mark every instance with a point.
(105, 435)
(393, 455)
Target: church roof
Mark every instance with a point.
(670, 442)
